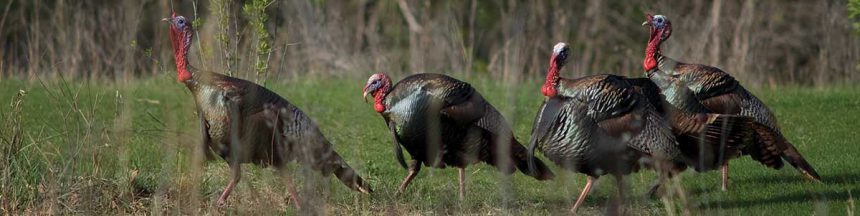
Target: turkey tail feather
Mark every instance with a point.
(733, 131)
(790, 154)
(398, 152)
(764, 147)
(531, 155)
(301, 139)
(777, 144)
(328, 161)
(347, 175)
(546, 115)
(528, 164)
(707, 141)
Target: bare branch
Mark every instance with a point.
(413, 24)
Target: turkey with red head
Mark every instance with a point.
(441, 122)
(608, 124)
(246, 123)
(716, 91)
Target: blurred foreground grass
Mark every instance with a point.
(110, 148)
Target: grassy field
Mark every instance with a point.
(110, 148)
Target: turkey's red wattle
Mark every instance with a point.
(549, 87)
(182, 73)
(649, 62)
(378, 107)
(651, 50)
(548, 91)
(179, 39)
(379, 96)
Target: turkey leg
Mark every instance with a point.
(288, 180)
(462, 183)
(588, 183)
(652, 193)
(725, 178)
(618, 208)
(237, 174)
(414, 167)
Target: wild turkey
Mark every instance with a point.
(716, 91)
(706, 139)
(607, 124)
(442, 121)
(246, 123)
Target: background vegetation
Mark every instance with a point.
(92, 120)
(762, 42)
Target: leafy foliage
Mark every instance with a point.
(854, 13)
(221, 10)
(255, 10)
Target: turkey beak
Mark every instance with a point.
(646, 23)
(364, 95)
(168, 19)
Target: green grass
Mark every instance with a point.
(83, 143)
